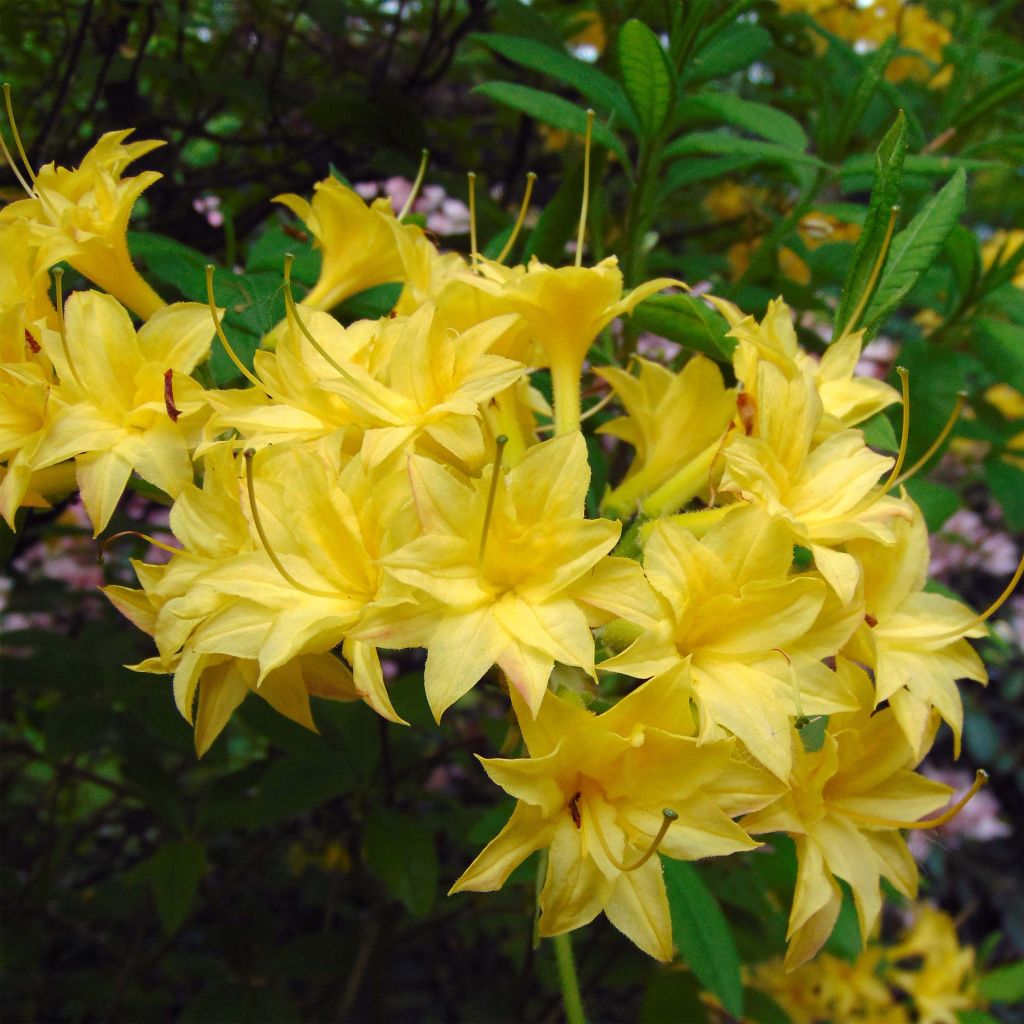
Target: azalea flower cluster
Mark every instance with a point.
(391, 484)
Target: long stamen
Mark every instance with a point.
(961, 398)
(499, 442)
(14, 167)
(989, 611)
(904, 431)
(415, 190)
(668, 816)
(293, 314)
(232, 355)
(980, 779)
(801, 719)
(250, 485)
(581, 232)
(15, 132)
(473, 254)
(876, 271)
(592, 411)
(58, 287)
(142, 536)
(517, 227)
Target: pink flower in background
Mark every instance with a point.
(444, 214)
(877, 358)
(969, 541)
(209, 207)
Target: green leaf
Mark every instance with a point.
(845, 941)
(401, 853)
(733, 49)
(884, 196)
(266, 255)
(1000, 346)
(975, 1017)
(730, 145)
(914, 249)
(999, 93)
(702, 934)
(672, 996)
(1006, 482)
(558, 221)
(762, 1009)
(552, 110)
(937, 501)
(1004, 984)
(686, 321)
(686, 172)
(961, 250)
(856, 172)
(371, 303)
(647, 76)
(174, 872)
(600, 89)
(879, 433)
(856, 104)
(759, 118)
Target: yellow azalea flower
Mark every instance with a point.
(125, 400)
(844, 809)
(494, 572)
(737, 634)
(944, 983)
(1002, 245)
(593, 791)
(846, 400)
(567, 308)
(90, 206)
(426, 272)
(825, 493)
(357, 241)
(423, 385)
(913, 641)
(24, 396)
(676, 423)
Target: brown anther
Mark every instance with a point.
(871, 620)
(31, 342)
(747, 410)
(574, 809)
(172, 410)
(299, 236)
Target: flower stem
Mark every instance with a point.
(570, 983)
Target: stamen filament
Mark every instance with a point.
(904, 431)
(593, 410)
(58, 287)
(293, 314)
(581, 232)
(876, 271)
(961, 398)
(415, 191)
(232, 355)
(250, 485)
(668, 816)
(14, 168)
(801, 719)
(473, 254)
(517, 227)
(989, 611)
(499, 442)
(15, 132)
(143, 536)
(980, 779)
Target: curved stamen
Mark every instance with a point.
(292, 311)
(14, 168)
(415, 190)
(58, 288)
(668, 816)
(250, 485)
(904, 430)
(593, 410)
(474, 255)
(581, 232)
(232, 355)
(961, 398)
(500, 441)
(980, 779)
(958, 634)
(517, 227)
(801, 719)
(876, 271)
(104, 544)
(16, 133)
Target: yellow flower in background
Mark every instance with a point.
(90, 206)
(1002, 245)
(593, 791)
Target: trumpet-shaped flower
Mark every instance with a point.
(846, 804)
(494, 571)
(913, 641)
(597, 791)
(676, 423)
(125, 400)
(738, 633)
(90, 206)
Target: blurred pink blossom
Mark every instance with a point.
(969, 541)
(444, 214)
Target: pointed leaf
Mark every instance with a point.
(646, 75)
(769, 123)
(174, 874)
(686, 321)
